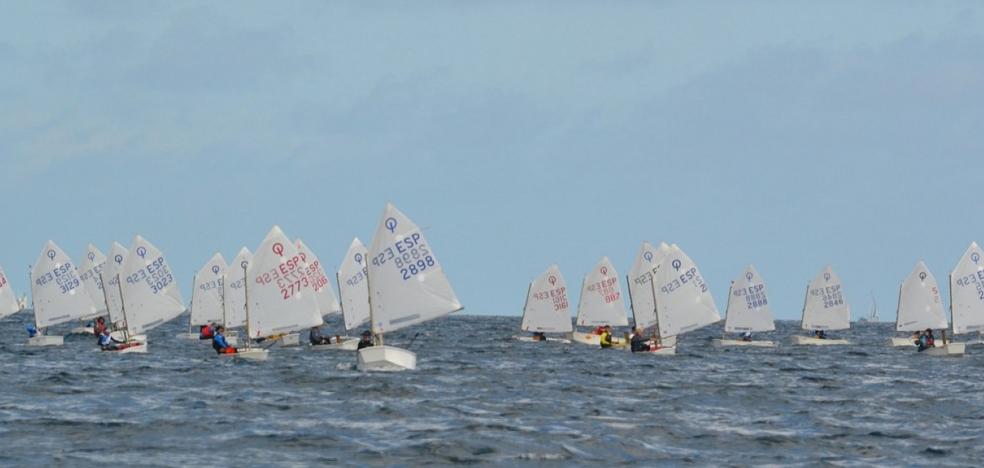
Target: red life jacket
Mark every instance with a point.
(206, 331)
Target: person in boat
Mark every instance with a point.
(916, 335)
(107, 342)
(927, 340)
(598, 330)
(366, 340)
(317, 338)
(99, 327)
(747, 336)
(539, 336)
(605, 339)
(639, 342)
(219, 343)
(820, 335)
(207, 331)
(32, 331)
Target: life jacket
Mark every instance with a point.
(598, 330)
(206, 332)
(930, 342)
(605, 339)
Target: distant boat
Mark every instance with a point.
(642, 298)
(824, 309)
(327, 301)
(9, 305)
(921, 308)
(601, 304)
(90, 271)
(872, 316)
(353, 293)
(748, 310)
(967, 293)
(207, 297)
(234, 314)
(407, 286)
(683, 298)
(59, 295)
(547, 308)
(111, 287)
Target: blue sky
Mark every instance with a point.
(789, 135)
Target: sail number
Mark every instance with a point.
(558, 296)
(288, 277)
(156, 275)
(3, 281)
(754, 295)
(357, 278)
(63, 276)
(608, 288)
(410, 256)
(210, 285)
(976, 279)
(94, 274)
(690, 276)
(831, 295)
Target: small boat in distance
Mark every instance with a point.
(921, 308)
(59, 295)
(683, 298)
(748, 310)
(601, 304)
(9, 305)
(824, 309)
(547, 308)
(967, 294)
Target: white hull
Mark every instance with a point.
(667, 351)
(289, 340)
(902, 342)
(812, 341)
(82, 331)
(386, 358)
(529, 339)
(591, 339)
(348, 344)
(119, 336)
(251, 354)
(140, 348)
(949, 349)
(753, 344)
(46, 340)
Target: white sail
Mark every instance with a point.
(920, 306)
(683, 299)
(640, 292)
(59, 294)
(281, 299)
(327, 302)
(748, 304)
(235, 291)
(112, 272)
(601, 298)
(90, 270)
(207, 298)
(967, 292)
(825, 307)
(352, 285)
(407, 284)
(8, 300)
(151, 295)
(547, 307)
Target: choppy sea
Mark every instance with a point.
(480, 397)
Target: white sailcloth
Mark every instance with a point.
(547, 307)
(748, 304)
(601, 298)
(235, 291)
(920, 306)
(59, 294)
(683, 299)
(281, 299)
(90, 270)
(151, 295)
(825, 307)
(640, 292)
(112, 273)
(327, 301)
(207, 298)
(407, 284)
(8, 300)
(967, 292)
(352, 285)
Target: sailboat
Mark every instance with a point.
(601, 304)
(547, 308)
(682, 297)
(207, 297)
(8, 302)
(353, 286)
(642, 298)
(824, 309)
(327, 301)
(872, 313)
(111, 291)
(59, 295)
(90, 271)
(406, 285)
(234, 293)
(149, 292)
(748, 310)
(920, 307)
(967, 294)
(280, 299)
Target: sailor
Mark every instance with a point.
(539, 336)
(820, 335)
(219, 343)
(32, 331)
(206, 332)
(747, 336)
(107, 342)
(606, 337)
(639, 341)
(598, 330)
(99, 327)
(317, 338)
(366, 340)
(926, 340)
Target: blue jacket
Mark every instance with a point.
(105, 340)
(219, 341)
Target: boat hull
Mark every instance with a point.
(811, 341)
(82, 331)
(251, 354)
(947, 350)
(721, 343)
(529, 339)
(347, 344)
(386, 359)
(666, 351)
(591, 339)
(140, 347)
(902, 342)
(119, 336)
(46, 340)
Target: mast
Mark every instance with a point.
(635, 323)
(105, 298)
(372, 322)
(126, 323)
(580, 302)
(526, 304)
(727, 310)
(194, 281)
(225, 279)
(806, 300)
(30, 280)
(249, 338)
(341, 300)
(898, 309)
(652, 286)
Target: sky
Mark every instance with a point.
(788, 135)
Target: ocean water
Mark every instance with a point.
(480, 397)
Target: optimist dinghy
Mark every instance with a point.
(327, 302)
(9, 305)
(547, 308)
(601, 304)
(208, 299)
(748, 310)
(642, 297)
(354, 292)
(967, 294)
(406, 285)
(59, 294)
(682, 297)
(824, 309)
(90, 271)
